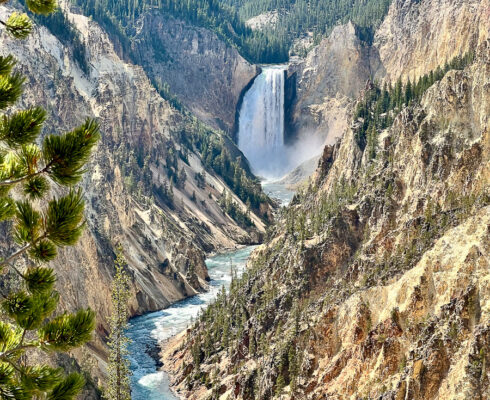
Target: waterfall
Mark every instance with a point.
(261, 124)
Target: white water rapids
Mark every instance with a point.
(261, 124)
(146, 331)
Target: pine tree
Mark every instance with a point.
(118, 387)
(40, 224)
(408, 92)
(371, 141)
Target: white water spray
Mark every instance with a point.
(261, 124)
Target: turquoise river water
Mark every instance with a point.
(145, 332)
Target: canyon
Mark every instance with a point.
(387, 296)
(128, 187)
(371, 283)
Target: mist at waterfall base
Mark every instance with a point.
(261, 128)
(146, 331)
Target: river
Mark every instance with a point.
(147, 383)
(145, 332)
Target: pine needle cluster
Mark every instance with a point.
(40, 225)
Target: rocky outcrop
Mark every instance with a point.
(326, 82)
(374, 283)
(418, 36)
(415, 38)
(206, 74)
(299, 176)
(164, 228)
(266, 20)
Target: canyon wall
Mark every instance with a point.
(415, 38)
(325, 83)
(418, 36)
(205, 74)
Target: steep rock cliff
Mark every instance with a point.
(325, 83)
(415, 38)
(418, 36)
(206, 74)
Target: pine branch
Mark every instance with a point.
(38, 233)
(5, 354)
(9, 259)
(11, 265)
(12, 364)
(18, 25)
(43, 7)
(12, 257)
(26, 177)
(63, 227)
(23, 336)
